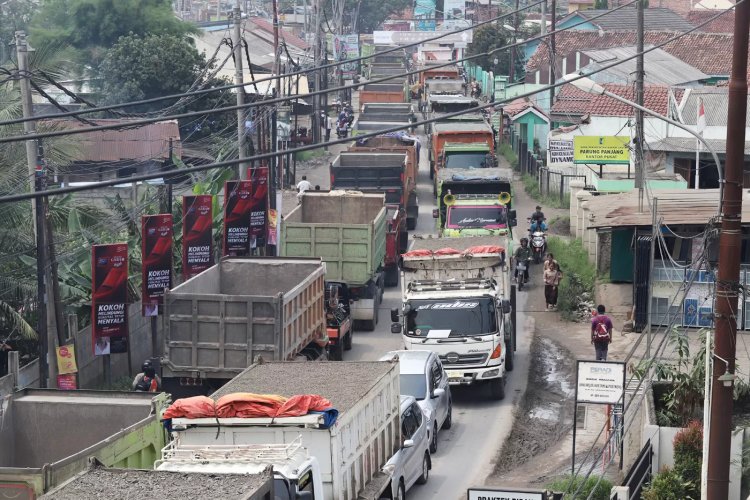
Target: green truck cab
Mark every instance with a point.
(474, 202)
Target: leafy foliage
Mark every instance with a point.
(370, 14)
(579, 274)
(568, 484)
(688, 457)
(14, 16)
(666, 485)
(487, 38)
(90, 26)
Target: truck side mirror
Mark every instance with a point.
(505, 304)
(396, 328)
(434, 213)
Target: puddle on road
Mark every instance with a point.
(551, 357)
(550, 412)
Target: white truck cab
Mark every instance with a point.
(459, 305)
(296, 474)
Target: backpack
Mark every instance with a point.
(601, 334)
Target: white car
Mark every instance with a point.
(423, 376)
(411, 463)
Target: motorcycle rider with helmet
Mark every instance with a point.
(522, 254)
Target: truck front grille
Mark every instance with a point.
(449, 359)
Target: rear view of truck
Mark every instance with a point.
(382, 92)
(219, 321)
(458, 132)
(348, 231)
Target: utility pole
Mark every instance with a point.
(639, 170)
(727, 283)
(36, 183)
(553, 27)
(239, 80)
(543, 26)
(512, 71)
(316, 122)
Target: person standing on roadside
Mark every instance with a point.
(552, 277)
(549, 261)
(601, 333)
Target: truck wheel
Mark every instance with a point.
(509, 355)
(425, 469)
(391, 276)
(497, 388)
(336, 352)
(411, 223)
(348, 341)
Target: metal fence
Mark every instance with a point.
(554, 183)
(528, 162)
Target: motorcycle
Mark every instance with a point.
(538, 246)
(342, 129)
(522, 267)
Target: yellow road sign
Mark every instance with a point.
(600, 150)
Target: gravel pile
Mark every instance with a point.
(124, 484)
(342, 383)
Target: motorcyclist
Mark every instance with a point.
(522, 254)
(537, 221)
(147, 380)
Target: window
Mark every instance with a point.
(306, 483)
(409, 423)
(414, 385)
(417, 411)
(437, 374)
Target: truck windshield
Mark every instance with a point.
(451, 318)
(470, 159)
(413, 385)
(491, 216)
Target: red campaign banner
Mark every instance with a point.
(259, 212)
(67, 382)
(156, 268)
(238, 204)
(109, 310)
(197, 234)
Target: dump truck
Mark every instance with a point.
(49, 436)
(437, 106)
(382, 92)
(474, 202)
(338, 460)
(399, 143)
(100, 483)
(458, 303)
(381, 116)
(455, 133)
(429, 73)
(348, 231)
(219, 321)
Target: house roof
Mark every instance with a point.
(687, 145)
(662, 68)
(676, 206)
(147, 142)
(681, 7)
(626, 19)
(516, 106)
(708, 52)
(715, 105)
(722, 24)
(572, 101)
(289, 38)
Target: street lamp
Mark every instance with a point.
(590, 86)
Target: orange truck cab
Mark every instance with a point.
(456, 132)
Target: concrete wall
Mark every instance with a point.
(7, 434)
(53, 425)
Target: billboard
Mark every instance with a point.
(560, 151)
(238, 204)
(454, 10)
(424, 13)
(156, 268)
(109, 293)
(601, 150)
(346, 47)
(197, 234)
(259, 210)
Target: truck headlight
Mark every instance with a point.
(491, 373)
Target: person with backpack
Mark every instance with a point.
(147, 380)
(601, 333)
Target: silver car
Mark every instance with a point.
(423, 377)
(411, 463)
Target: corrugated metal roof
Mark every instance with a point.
(688, 145)
(626, 19)
(661, 67)
(676, 206)
(148, 142)
(715, 105)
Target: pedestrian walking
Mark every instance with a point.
(329, 126)
(552, 277)
(601, 333)
(548, 261)
(302, 186)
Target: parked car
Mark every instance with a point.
(423, 377)
(411, 463)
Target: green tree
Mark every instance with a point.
(14, 16)
(370, 14)
(91, 26)
(487, 38)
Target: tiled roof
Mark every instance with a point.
(516, 106)
(147, 142)
(626, 19)
(709, 52)
(574, 102)
(283, 35)
(722, 24)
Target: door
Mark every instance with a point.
(412, 459)
(440, 381)
(622, 256)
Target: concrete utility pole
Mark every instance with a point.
(727, 283)
(512, 71)
(239, 80)
(29, 127)
(639, 167)
(543, 25)
(316, 123)
(553, 25)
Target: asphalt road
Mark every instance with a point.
(467, 451)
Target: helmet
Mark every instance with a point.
(146, 365)
(524, 240)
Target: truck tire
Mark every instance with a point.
(497, 388)
(391, 276)
(336, 352)
(348, 340)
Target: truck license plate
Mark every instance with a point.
(452, 374)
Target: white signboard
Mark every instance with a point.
(600, 382)
(560, 151)
(486, 494)
(406, 37)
